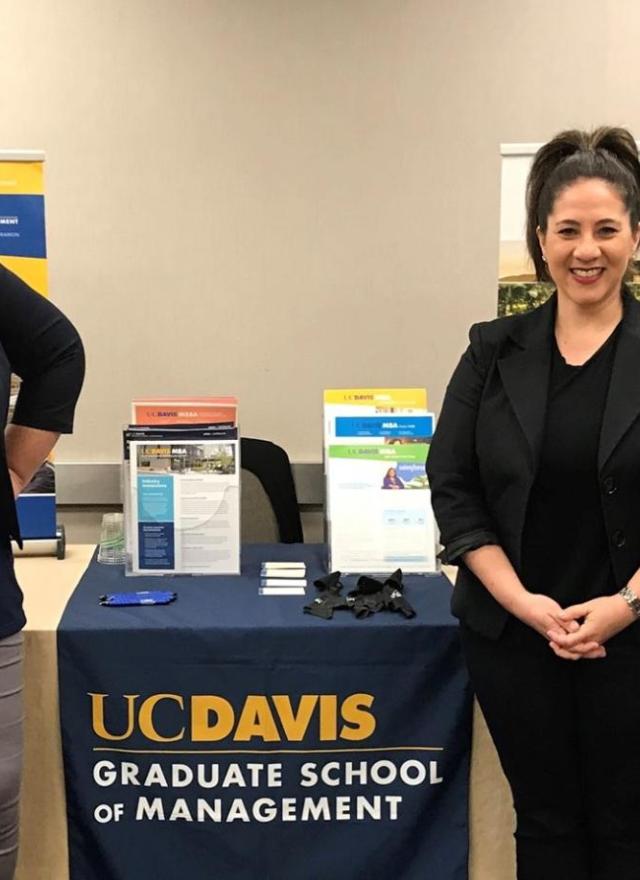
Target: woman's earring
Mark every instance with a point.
(544, 259)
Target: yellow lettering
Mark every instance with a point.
(354, 712)
(295, 725)
(328, 717)
(202, 705)
(145, 717)
(97, 716)
(256, 720)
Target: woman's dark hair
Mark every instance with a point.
(609, 154)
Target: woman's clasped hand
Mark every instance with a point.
(582, 630)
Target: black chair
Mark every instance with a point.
(269, 504)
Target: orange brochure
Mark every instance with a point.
(185, 411)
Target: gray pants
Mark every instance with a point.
(11, 716)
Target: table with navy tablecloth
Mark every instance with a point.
(229, 735)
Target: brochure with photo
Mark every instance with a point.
(182, 487)
(379, 514)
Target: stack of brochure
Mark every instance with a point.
(181, 487)
(379, 516)
(283, 578)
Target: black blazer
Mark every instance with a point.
(484, 455)
(39, 344)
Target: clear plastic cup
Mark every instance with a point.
(111, 548)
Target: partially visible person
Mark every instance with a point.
(43, 482)
(42, 347)
(535, 480)
(392, 480)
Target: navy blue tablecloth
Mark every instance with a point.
(229, 735)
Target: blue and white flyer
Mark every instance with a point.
(379, 512)
(185, 506)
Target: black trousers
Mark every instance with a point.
(568, 737)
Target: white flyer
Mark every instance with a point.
(379, 512)
(185, 506)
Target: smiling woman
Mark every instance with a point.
(584, 232)
(587, 245)
(588, 241)
(535, 483)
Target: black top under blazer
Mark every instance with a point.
(484, 455)
(41, 346)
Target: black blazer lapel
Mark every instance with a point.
(623, 400)
(525, 373)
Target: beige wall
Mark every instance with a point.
(267, 197)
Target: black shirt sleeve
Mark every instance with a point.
(45, 350)
(452, 466)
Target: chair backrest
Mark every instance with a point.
(258, 523)
(269, 504)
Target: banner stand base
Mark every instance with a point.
(56, 546)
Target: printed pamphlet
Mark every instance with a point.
(379, 514)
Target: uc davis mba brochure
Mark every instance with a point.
(379, 503)
(185, 505)
(381, 515)
(185, 411)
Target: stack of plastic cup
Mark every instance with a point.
(111, 548)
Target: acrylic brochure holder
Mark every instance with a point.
(181, 491)
(378, 509)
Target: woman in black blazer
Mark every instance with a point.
(535, 479)
(41, 346)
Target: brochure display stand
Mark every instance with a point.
(182, 489)
(379, 515)
(23, 251)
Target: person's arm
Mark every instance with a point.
(542, 613)
(467, 531)
(452, 466)
(44, 349)
(26, 449)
